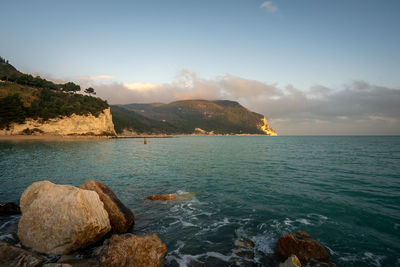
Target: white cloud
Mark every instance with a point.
(141, 86)
(94, 78)
(268, 5)
(355, 108)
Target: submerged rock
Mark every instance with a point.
(242, 252)
(9, 208)
(303, 246)
(292, 261)
(179, 195)
(121, 218)
(59, 219)
(162, 197)
(244, 247)
(12, 256)
(133, 251)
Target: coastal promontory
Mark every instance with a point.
(35, 106)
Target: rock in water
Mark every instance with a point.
(162, 197)
(292, 261)
(242, 252)
(121, 218)
(133, 251)
(179, 195)
(9, 208)
(59, 219)
(13, 256)
(244, 247)
(303, 246)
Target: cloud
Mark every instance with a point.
(354, 108)
(94, 78)
(140, 86)
(270, 6)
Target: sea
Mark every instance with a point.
(342, 190)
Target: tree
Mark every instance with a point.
(71, 87)
(90, 91)
(11, 110)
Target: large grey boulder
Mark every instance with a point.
(59, 219)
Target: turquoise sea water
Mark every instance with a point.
(344, 191)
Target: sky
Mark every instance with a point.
(312, 67)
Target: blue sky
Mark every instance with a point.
(283, 43)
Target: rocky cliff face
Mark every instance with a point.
(266, 129)
(72, 125)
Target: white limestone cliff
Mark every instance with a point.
(71, 125)
(266, 129)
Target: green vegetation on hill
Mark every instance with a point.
(125, 119)
(23, 96)
(183, 117)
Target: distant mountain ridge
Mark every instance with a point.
(189, 117)
(33, 105)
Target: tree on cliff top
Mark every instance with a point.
(90, 91)
(71, 87)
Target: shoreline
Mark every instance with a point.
(50, 137)
(102, 137)
(183, 135)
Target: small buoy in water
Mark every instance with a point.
(145, 141)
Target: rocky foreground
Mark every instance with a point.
(61, 222)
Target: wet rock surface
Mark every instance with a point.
(242, 252)
(301, 244)
(12, 256)
(292, 261)
(9, 208)
(121, 218)
(162, 197)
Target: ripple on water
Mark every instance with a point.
(344, 191)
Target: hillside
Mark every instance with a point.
(190, 116)
(7, 69)
(125, 119)
(25, 98)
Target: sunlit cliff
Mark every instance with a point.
(265, 128)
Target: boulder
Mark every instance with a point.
(132, 250)
(58, 219)
(9, 208)
(303, 246)
(292, 261)
(12, 256)
(121, 218)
